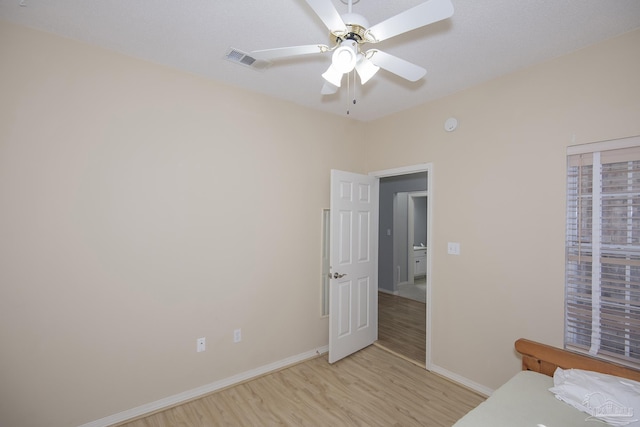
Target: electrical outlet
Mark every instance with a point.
(237, 335)
(201, 345)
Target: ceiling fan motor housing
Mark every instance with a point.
(356, 27)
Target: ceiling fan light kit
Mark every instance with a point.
(365, 69)
(333, 76)
(351, 31)
(328, 88)
(344, 58)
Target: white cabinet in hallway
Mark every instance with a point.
(420, 258)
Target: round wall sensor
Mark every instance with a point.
(450, 124)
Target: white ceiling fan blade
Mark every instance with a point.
(328, 89)
(416, 17)
(327, 12)
(285, 52)
(395, 65)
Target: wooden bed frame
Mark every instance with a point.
(545, 359)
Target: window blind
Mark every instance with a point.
(602, 288)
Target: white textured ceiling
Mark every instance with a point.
(483, 40)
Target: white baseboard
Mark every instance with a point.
(205, 389)
(461, 380)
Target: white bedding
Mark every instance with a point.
(525, 401)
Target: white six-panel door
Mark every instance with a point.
(353, 293)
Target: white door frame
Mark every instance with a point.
(424, 167)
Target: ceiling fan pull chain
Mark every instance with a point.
(348, 90)
(354, 88)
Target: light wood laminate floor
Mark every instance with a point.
(370, 388)
(402, 326)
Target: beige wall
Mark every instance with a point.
(142, 208)
(499, 191)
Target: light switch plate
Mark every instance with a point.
(453, 248)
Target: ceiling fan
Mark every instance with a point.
(351, 31)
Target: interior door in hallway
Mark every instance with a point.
(353, 292)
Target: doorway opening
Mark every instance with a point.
(404, 262)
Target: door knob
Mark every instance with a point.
(338, 276)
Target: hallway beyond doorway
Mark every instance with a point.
(416, 291)
(402, 326)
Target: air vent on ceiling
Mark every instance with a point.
(242, 58)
